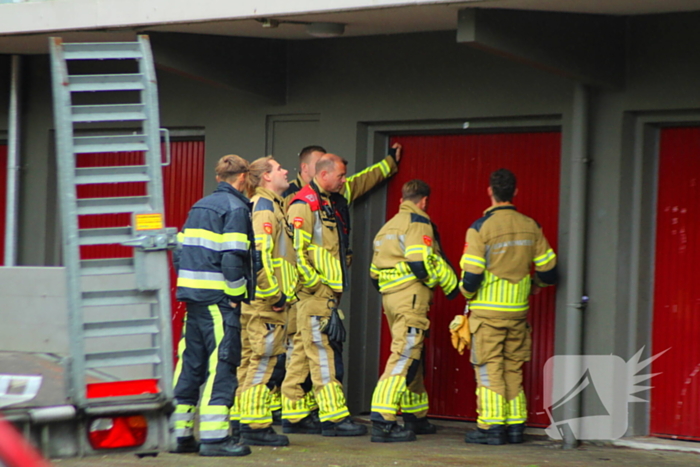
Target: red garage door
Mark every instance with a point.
(457, 167)
(183, 185)
(675, 399)
(3, 199)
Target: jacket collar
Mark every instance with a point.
(269, 194)
(410, 206)
(314, 184)
(228, 188)
(493, 209)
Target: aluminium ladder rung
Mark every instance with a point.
(102, 50)
(91, 83)
(108, 113)
(108, 266)
(106, 298)
(115, 174)
(116, 143)
(104, 236)
(122, 358)
(121, 328)
(113, 205)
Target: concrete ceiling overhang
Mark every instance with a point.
(422, 17)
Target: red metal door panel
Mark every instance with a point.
(457, 168)
(3, 199)
(675, 399)
(183, 185)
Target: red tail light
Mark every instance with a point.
(118, 432)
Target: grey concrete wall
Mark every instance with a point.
(354, 82)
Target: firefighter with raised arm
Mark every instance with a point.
(499, 251)
(215, 275)
(301, 410)
(406, 266)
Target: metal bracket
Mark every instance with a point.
(164, 239)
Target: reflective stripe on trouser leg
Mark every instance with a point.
(386, 398)
(275, 401)
(219, 389)
(255, 409)
(517, 410)
(401, 385)
(491, 407)
(183, 417)
(331, 403)
(235, 412)
(329, 392)
(294, 403)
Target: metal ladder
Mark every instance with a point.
(119, 308)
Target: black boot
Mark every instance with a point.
(516, 433)
(420, 426)
(277, 417)
(185, 445)
(391, 432)
(262, 437)
(306, 426)
(227, 448)
(495, 435)
(344, 427)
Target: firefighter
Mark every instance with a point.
(406, 266)
(266, 316)
(499, 250)
(215, 275)
(301, 416)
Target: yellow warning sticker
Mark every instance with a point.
(153, 221)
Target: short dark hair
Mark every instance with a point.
(306, 152)
(415, 190)
(503, 185)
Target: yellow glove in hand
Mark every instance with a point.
(460, 333)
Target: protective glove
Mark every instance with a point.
(460, 334)
(333, 327)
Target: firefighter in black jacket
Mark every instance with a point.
(215, 274)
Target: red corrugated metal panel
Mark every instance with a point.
(3, 199)
(183, 185)
(457, 167)
(675, 399)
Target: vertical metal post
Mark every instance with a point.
(576, 252)
(12, 202)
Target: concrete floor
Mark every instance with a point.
(444, 448)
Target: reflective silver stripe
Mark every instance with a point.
(183, 417)
(318, 230)
(484, 376)
(184, 432)
(282, 243)
(203, 242)
(403, 359)
(235, 284)
(260, 371)
(402, 243)
(201, 275)
(213, 434)
(264, 362)
(227, 246)
(322, 353)
(215, 417)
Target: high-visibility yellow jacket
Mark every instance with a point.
(406, 251)
(215, 258)
(277, 280)
(321, 227)
(498, 254)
